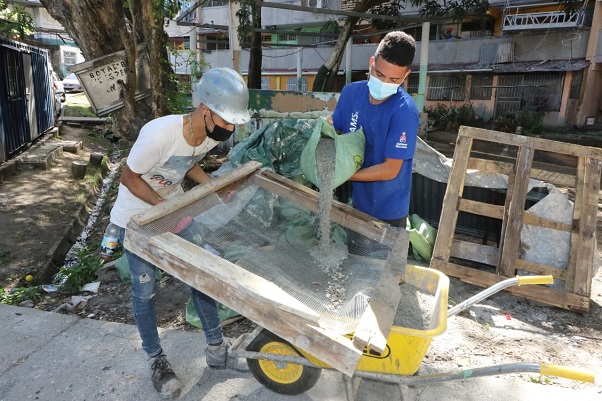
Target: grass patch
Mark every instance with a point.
(18, 295)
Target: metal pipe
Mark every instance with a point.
(482, 295)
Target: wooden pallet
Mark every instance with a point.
(524, 157)
(261, 300)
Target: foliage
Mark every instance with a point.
(15, 23)
(392, 8)
(450, 118)
(178, 100)
(245, 19)
(71, 279)
(527, 118)
(457, 9)
(18, 295)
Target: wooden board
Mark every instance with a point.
(583, 175)
(375, 325)
(253, 297)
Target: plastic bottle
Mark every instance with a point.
(110, 242)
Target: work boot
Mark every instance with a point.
(163, 377)
(217, 357)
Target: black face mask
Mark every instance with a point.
(219, 134)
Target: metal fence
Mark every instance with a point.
(26, 96)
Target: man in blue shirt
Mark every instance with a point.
(389, 118)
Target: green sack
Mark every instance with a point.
(349, 150)
(422, 238)
(123, 268)
(193, 318)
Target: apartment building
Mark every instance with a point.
(522, 55)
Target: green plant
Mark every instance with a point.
(541, 379)
(505, 123)
(71, 279)
(18, 295)
(449, 118)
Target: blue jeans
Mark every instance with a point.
(143, 280)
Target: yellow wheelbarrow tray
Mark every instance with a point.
(288, 369)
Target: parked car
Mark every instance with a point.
(59, 89)
(71, 83)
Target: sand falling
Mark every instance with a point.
(327, 254)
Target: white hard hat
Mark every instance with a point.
(225, 93)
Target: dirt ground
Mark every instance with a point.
(37, 206)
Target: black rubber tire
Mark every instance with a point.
(294, 379)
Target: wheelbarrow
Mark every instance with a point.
(287, 369)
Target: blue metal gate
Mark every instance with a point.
(26, 97)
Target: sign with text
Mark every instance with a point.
(104, 79)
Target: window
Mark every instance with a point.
(480, 86)
(413, 81)
(576, 84)
(215, 3)
(287, 37)
(70, 57)
(543, 91)
(446, 87)
(265, 83)
(266, 38)
(291, 84)
(217, 43)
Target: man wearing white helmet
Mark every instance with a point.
(167, 150)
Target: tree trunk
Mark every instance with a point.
(326, 76)
(102, 27)
(255, 56)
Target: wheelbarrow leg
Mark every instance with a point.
(351, 386)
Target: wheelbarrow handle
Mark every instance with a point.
(487, 292)
(527, 280)
(567, 372)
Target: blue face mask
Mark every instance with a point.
(380, 90)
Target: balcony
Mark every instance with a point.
(515, 20)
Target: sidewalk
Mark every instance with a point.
(53, 357)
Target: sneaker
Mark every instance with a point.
(163, 377)
(217, 357)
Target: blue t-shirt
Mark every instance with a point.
(391, 129)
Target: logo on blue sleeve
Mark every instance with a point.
(402, 143)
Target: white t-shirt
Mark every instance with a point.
(163, 157)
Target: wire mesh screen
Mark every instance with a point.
(276, 239)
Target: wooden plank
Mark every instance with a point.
(481, 208)
(449, 210)
(540, 269)
(558, 179)
(340, 213)
(506, 168)
(253, 297)
(531, 219)
(490, 166)
(566, 300)
(587, 228)
(518, 195)
(375, 325)
(476, 252)
(196, 193)
(536, 143)
(575, 234)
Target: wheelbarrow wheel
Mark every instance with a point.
(280, 377)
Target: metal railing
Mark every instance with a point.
(543, 20)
